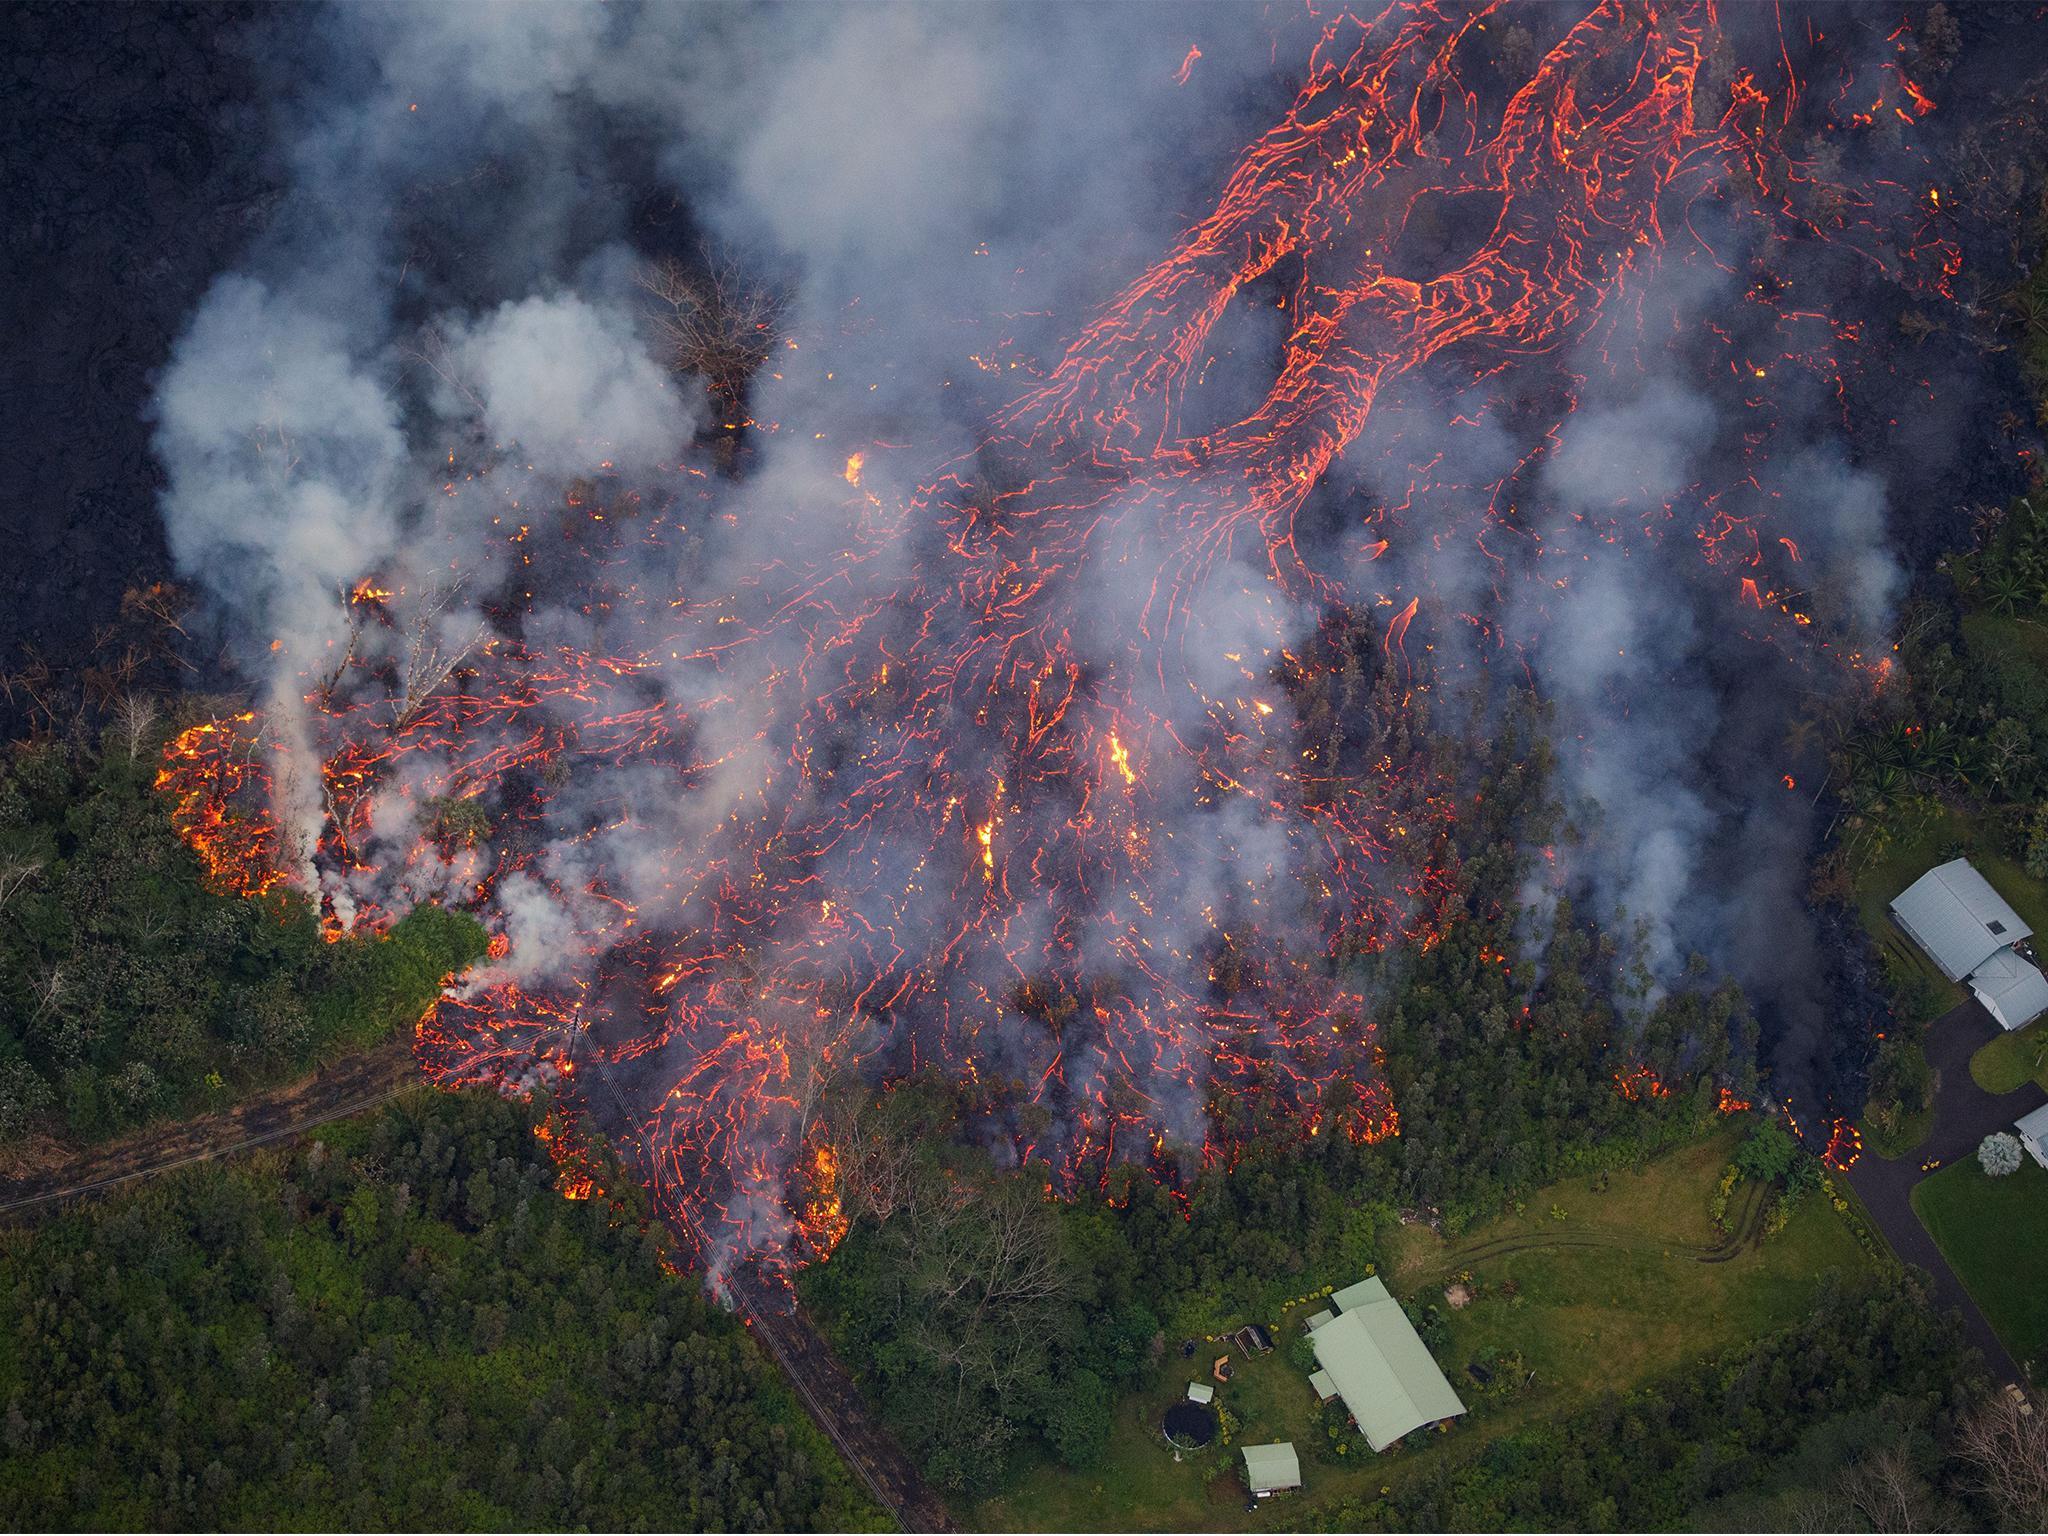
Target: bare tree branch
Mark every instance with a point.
(15, 874)
(2006, 1445)
(714, 321)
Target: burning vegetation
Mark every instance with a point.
(1082, 769)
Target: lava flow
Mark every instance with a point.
(1006, 779)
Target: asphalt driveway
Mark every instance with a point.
(1964, 1115)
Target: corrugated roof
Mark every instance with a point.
(1319, 1319)
(1324, 1383)
(1271, 1467)
(2033, 1129)
(1363, 1294)
(2034, 1124)
(2013, 990)
(1381, 1367)
(1953, 913)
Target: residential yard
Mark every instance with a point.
(1632, 1280)
(1910, 858)
(1906, 1139)
(2013, 1059)
(1994, 1233)
(1886, 876)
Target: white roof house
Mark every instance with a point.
(2033, 1129)
(1953, 914)
(2012, 991)
(1969, 930)
(1380, 1366)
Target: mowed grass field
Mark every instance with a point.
(1907, 860)
(1631, 1282)
(2016, 1057)
(1994, 1233)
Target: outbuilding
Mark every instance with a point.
(2011, 990)
(1271, 1468)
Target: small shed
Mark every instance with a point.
(1271, 1468)
(1201, 1392)
(1324, 1383)
(2033, 1129)
(1319, 1319)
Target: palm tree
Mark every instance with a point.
(2006, 591)
(2029, 306)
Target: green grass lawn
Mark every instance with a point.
(1633, 1302)
(1884, 878)
(1912, 1130)
(1990, 632)
(2015, 1058)
(1994, 1233)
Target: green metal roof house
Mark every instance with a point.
(1271, 1468)
(1382, 1370)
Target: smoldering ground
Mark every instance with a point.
(438, 338)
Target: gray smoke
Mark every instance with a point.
(439, 336)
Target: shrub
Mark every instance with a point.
(1999, 1153)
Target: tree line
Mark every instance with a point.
(399, 1325)
(129, 989)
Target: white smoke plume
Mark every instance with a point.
(438, 340)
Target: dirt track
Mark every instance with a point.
(39, 1180)
(52, 1173)
(1746, 1227)
(835, 1402)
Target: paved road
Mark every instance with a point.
(1964, 1115)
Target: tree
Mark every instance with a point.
(355, 1348)
(436, 644)
(16, 872)
(1888, 1493)
(456, 821)
(130, 988)
(712, 321)
(2009, 753)
(2037, 843)
(2005, 1443)
(2000, 1154)
(1941, 39)
(1077, 1419)
(1769, 1153)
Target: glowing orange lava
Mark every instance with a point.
(948, 825)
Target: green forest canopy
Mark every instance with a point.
(128, 989)
(400, 1324)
